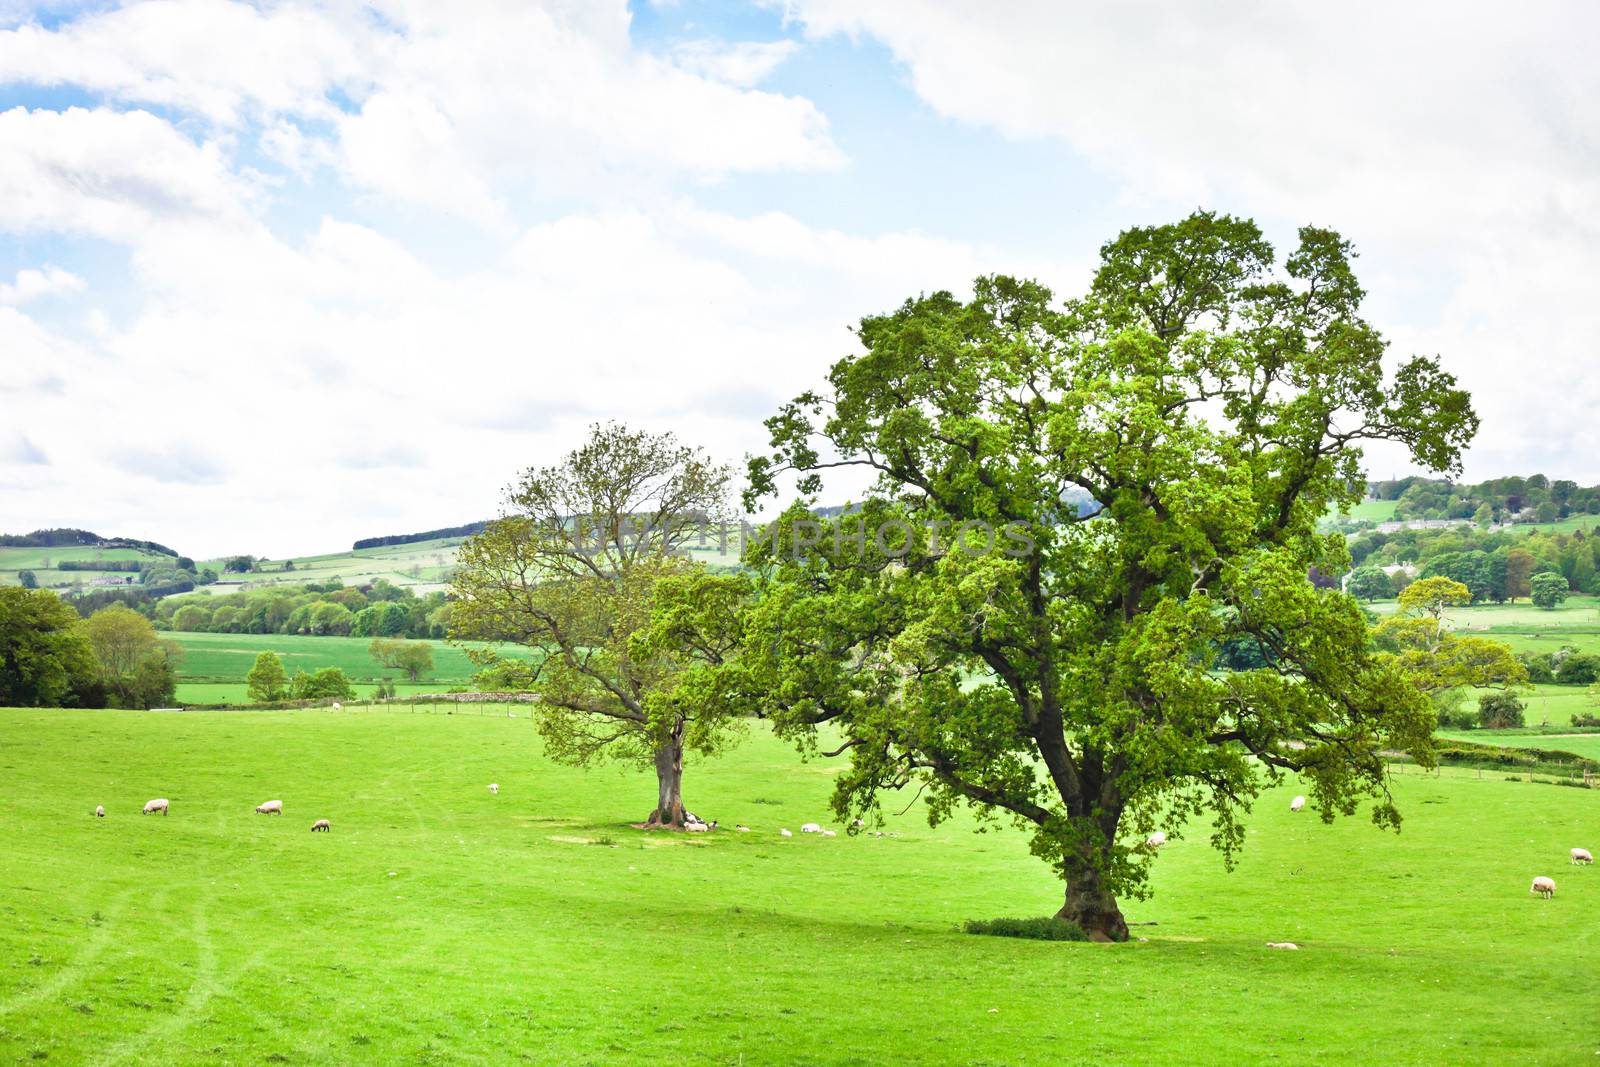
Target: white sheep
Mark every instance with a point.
(811, 828)
(1297, 803)
(153, 806)
(1581, 855)
(494, 787)
(271, 807)
(1283, 944)
(1155, 840)
(321, 825)
(337, 706)
(741, 828)
(829, 833)
(697, 827)
(1545, 887)
(99, 811)
(785, 833)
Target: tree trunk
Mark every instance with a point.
(669, 785)
(1090, 905)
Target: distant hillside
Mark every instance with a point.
(427, 535)
(71, 538)
(1534, 498)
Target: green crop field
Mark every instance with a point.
(43, 563)
(223, 660)
(440, 924)
(1371, 510)
(421, 567)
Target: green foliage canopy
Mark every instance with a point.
(1211, 409)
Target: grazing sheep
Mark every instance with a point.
(494, 787)
(811, 828)
(1581, 855)
(1545, 887)
(1282, 944)
(697, 827)
(1155, 840)
(153, 806)
(271, 807)
(785, 833)
(337, 706)
(742, 829)
(99, 811)
(320, 825)
(1297, 803)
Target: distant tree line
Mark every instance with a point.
(1534, 498)
(57, 538)
(328, 609)
(427, 535)
(98, 565)
(1497, 567)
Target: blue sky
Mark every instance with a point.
(278, 275)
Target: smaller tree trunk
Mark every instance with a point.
(669, 785)
(1091, 906)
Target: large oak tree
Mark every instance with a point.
(1168, 441)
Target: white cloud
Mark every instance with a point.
(742, 63)
(423, 105)
(1457, 148)
(109, 174)
(32, 284)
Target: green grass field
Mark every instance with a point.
(225, 659)
(1371, 510)
(421, 567)
(439, 924)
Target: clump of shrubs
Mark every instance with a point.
(1046, 929)
(1501, 711)
(1586, 718)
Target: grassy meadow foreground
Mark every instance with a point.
(440, 924)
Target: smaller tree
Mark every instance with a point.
(121, 639)
(268, 681)
(1369, 583)
(28, 580)
(45, 659)
(1548, 590)
(329, 683)
(415, 658)
(1519, 571)
(1501, 711)
(1578, 669)
(1436, 658)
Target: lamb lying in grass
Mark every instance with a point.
(811, 828)
(271, 807)
(99, 811)
(1155, 840)
(1545, 887)
(1297, 803)
(1581, 855)
(153, 806)
(494, 787)
(321, 825)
